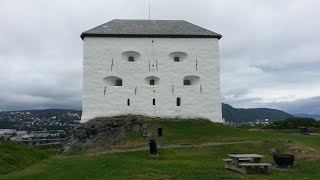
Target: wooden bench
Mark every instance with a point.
(264, 166)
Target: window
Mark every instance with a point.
(187, 82)
(112, 81)
(154, 102)
(178, 56)
(191, 80)
(151, 81)
(178, 101)
(131, 59)
(128, 102)
(130, 56)
(119, 82)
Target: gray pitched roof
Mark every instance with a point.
(149, 28)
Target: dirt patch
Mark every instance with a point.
(131, 144)
(315, 134)
(304, 153)
(293, 168)
(254, 129)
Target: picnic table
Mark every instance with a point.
(240, 162)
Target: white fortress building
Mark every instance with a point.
(156, 68)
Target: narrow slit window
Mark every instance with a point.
(151, 81)
(128, 102)
(176, 59)
(154, 102)
(119, 82)
(187, 82)
(178, 101)
(131, 59)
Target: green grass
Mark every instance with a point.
(15, 156)
(182, 163)
(194, 132)
(179, 163)
(184, 131)
(198, 132)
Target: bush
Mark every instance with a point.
(295, 123)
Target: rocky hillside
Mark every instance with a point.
(103, 134)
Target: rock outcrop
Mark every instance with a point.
(104, 133)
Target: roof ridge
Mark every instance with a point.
(141, 28)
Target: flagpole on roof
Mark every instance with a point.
(149, 10)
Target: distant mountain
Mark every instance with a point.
(240, 115)
(229, 113)
(314, 116)
(47, 110)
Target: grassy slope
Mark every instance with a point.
(182, 163)
(190, 132)
(15, 156)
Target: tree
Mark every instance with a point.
(295, 123)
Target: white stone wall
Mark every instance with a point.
(97, 61)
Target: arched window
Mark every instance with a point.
(131, 59)
(187, 82)
(112, 81)
(118, 82)
(178, 101)
(178, 56)
(151, 81)
(131, 56)
(154, 102)
(191, 80)
(128, 102)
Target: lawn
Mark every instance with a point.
(15, 156)
(186, 162)
(193, 132)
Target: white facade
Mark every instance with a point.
(106, 60)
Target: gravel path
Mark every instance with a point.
(172, 146)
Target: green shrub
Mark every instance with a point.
(295, 123)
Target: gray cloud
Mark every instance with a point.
(269, 51)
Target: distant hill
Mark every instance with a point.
(47, 110)
(241, 115)
(314, 116)
(229, 113)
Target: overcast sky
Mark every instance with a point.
(269, 53)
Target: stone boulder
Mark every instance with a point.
(103, 133)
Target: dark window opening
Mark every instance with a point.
(151, 81)
(176, 59)
(187, 82)
(178, 101)
(131, 59)
(128, 102)
(154, 102)
(119, 82)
